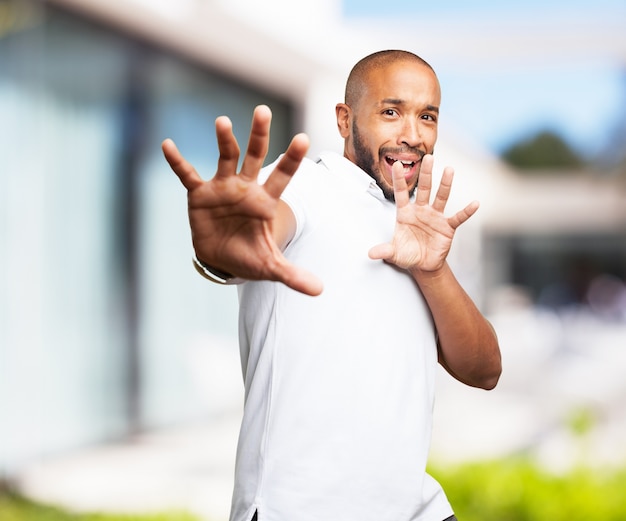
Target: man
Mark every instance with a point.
(339, 378)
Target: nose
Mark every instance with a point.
(411, 134)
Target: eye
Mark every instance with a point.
(429, 117)
(390, 113)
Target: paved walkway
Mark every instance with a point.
(188, 468)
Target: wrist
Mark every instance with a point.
(428, 276)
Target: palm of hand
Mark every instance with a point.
(422, 238)
(230, 216)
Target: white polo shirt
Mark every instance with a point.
(340, 387)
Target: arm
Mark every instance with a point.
(237, 225)
(468, 346)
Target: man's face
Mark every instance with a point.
(394, 120)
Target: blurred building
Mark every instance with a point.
(105, 329)
(554, 233)
(100, 313)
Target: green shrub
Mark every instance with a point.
(518, 490)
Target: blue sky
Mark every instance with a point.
(374, 7)
(582, 100)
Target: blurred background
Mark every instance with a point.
(120, 382)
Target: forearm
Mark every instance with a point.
(468, 345)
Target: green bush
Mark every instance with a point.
(16, 508)
(518, 490)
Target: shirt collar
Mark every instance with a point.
(338, 163)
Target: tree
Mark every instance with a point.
(545, 150)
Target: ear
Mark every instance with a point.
(344, 117)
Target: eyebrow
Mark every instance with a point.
(394, 101)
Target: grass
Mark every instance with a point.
(16, 508)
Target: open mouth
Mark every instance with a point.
(408, 165)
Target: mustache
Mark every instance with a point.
(391, 151)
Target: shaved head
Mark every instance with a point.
(357, 80)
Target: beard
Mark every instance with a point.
(366, 162)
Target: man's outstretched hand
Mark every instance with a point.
(423, 234)
(237, 225)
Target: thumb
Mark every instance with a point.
(301, 280)
(381, 251)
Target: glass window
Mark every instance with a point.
(104, 325)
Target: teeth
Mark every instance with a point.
(405, 163)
